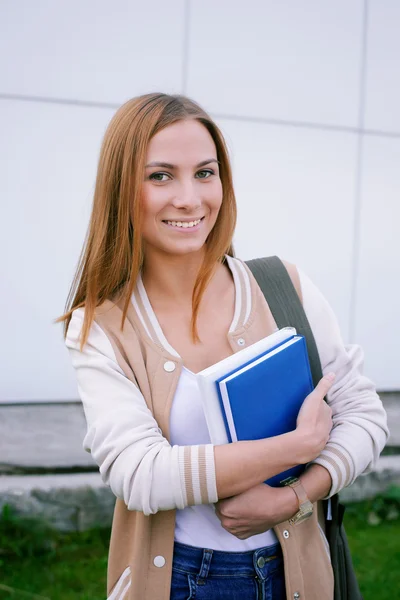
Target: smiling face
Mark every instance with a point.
(182, 190)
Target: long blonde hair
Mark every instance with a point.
(112, 254)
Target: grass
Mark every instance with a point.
(75, 569)
(376, 557)
(73, 566)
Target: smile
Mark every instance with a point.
(184, 224)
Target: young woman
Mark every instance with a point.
(157, 297)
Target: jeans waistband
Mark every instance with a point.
(204, 562)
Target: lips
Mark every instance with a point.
(183, 220)
(183, 224)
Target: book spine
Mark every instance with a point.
(226, 411)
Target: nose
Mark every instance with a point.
(187, 196)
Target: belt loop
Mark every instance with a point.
(205, 567)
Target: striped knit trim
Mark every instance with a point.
(188, 474)
(345, 461)
(145, 315)
(197, 474)
(210, 473)
(243, 293)
(148, 315)
(120, 588)
(124, 592)
(247, 294)
(135, 299)
(334, 472)
(203, 475)
(244, 303)
(238, 288)
(339, 464)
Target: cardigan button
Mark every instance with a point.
(169, 366)
(159, 561)
(286, 534)
(296, 595)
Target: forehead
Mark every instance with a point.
(184, 141)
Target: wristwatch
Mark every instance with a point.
(305, 506)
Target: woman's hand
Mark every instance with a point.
(256, 510)
(243, 465)
(314, 421)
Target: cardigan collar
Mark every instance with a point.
(243, 305)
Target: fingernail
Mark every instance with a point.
(331, 376)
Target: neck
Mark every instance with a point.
(171, 277)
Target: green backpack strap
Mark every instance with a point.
(285, 304)
(287, 310)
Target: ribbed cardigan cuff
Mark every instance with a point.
(197, 474)
(339, 464)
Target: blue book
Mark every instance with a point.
(262, 398)
(210, 391)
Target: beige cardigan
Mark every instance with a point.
(128, 437)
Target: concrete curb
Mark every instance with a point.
(67, 502)
(367, 486)
(78, 502)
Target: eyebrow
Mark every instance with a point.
(169, 166)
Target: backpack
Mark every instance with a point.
(287, 310)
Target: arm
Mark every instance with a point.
(317, 482)
(242, 465)
(360, 430)
(263, 507)
(140, 465)
(358, 435)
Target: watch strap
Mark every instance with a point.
(305, 506)
(300, 492)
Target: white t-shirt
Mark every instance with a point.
(199, 525)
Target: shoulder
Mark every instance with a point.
(97, 338)
(294, 276)
(292, 271)
(104, 316)
(316, 306)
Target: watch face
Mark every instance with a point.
(306, 510)
(302, 517)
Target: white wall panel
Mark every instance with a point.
(297, 61)
(382, 107)
(378, 290)
(93, 50)
(284, 61)
(295, 193)
(48, 156)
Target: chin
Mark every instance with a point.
(188, 250)
(183, 249)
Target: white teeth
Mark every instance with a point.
(185, 225)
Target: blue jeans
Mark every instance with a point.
(215, 575)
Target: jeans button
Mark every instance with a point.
(260, 562)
